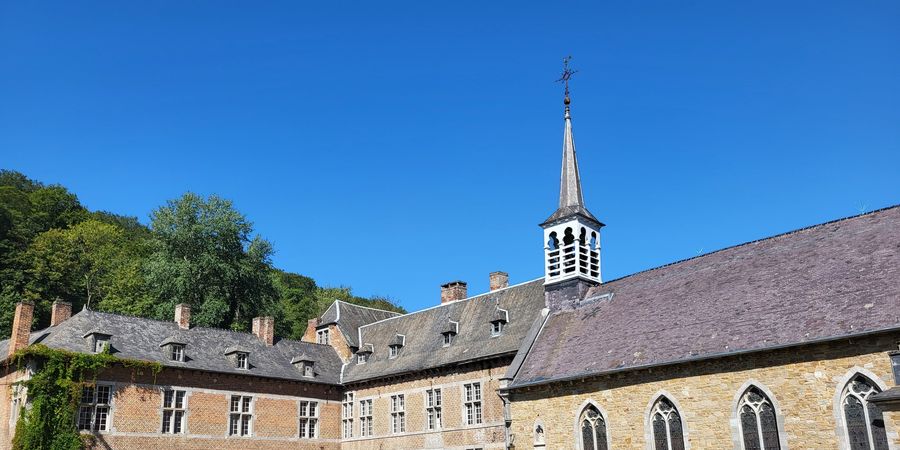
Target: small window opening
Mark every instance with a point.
(101, 344)
(242, 360)
(394, 351)
(553, 243)
(176, 352)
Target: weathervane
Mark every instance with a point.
(566, 75)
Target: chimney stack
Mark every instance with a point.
(183, 315)
(310, 334)
(452, 291)
(499, 280)
(264, 329)
(60, 312)
(21, 329)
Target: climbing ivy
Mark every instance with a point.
(54, 391)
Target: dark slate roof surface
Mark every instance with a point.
(423, 346)
(350, 317)
(137, 338)
(835, 279)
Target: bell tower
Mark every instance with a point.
(572, 233)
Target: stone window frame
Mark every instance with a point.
(735, 423)
(240, 414)
(576, 424)
(303, 415)
(398, 413)
(323, 336)
(366, 417)
(95, 406)
(347, 402)
(434, 402)
(837, 404)
(648, 423)
(476, 402)
(173, 409)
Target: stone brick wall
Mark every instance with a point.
(805, 383)
(454, 434)
(8, 377)
(136, 416)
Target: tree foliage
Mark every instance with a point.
(200, 251)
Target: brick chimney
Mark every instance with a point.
(183, 315)
(21, 329)
(452, 291)
(310, 334)
(60, 312)
(264, 329)
(499, 280)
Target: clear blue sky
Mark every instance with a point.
(393, 147)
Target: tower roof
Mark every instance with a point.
(571, 199)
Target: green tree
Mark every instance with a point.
(205, 255)
(296, 305)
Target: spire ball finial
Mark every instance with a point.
(567, 101)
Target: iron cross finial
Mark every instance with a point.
(566, 75)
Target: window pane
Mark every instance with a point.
(660, 440)
(749, 429)
(856, 424)
(235, 404)
(245, 425)
(246, 405)
(84, 417)
(101, 414)
(600, 432)
(879, 436)
(179, 419)
(87, 395)
(179, 399)
(103, 395)
(167, 399)
(769, 426)
(167, 422)
(587, 436)
(675, 433)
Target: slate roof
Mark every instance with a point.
(350, 317)
(205, 349)
(423, 345)
(832, 280)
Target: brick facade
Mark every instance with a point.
(454, 432)
(804, 382)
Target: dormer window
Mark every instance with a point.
(239, 356)
(176, 352)
(362, 356)
(395, 346)
(99, 341)
(306, 365)
(449, 332)
(322, 337)
(498, 321)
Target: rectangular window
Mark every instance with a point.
(472, 403)
(177, 352)
(100, 344)
(93, 412)
(322, 337)
(361, 358)
(347, 415)
(365, 418)
(398, 414)
(241, 416)
(242, 360)
(309, 420)
(496, 328)
(308, 370)
(433, 408)
(448, 339)
(173, 411)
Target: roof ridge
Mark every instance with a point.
(453, 302)
(368, 307)
(767, 238)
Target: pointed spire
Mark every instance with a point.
(571, 199)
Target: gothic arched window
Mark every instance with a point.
(759, 428)
(668, 434)
(593, 429)
(864, 421)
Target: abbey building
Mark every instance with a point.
(789, 342)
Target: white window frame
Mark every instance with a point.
(366, 422)
(323, 336)
(242, 360)
(448, 338)
(398, 414)
(175, 411)
(309, 419)
(101, 344)
(394, 351)
(176, 352)
(497, 328)
(433, 409)
(97, 412)
(347, 415)
(473, 413)
(240, 413)
(362, 358)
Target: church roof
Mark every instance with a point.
(350, 317)
(205, 348)
(828, 281)
(423, 343)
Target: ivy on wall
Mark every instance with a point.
(54, 390)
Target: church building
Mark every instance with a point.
(787, 342)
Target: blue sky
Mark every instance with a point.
(395, 146)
